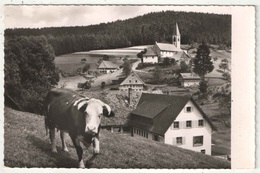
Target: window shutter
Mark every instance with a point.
(174, 142)
(195, 123)
(183, 140)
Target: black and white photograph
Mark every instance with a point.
(119, 86)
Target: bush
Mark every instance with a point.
(83, 60)
(103, 84)
(86, 85)
(203, 87)
(144, 65)
(86, 68)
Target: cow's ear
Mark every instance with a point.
(83, 107)
(108, 113)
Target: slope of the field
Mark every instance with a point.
(26, 145)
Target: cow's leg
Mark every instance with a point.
(79, 150)
(96, 150)
(96, 145)
(62, 137)
(53, 141)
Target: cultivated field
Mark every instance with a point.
(26, 145)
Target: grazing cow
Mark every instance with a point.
(77, 115)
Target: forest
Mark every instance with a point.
(141, 30)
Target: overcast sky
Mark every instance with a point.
(53, 16)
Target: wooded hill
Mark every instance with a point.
(141, 30)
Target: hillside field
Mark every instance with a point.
(26, 145)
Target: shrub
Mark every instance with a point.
(103, 84)
(203, 87)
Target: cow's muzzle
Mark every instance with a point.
(91, 130)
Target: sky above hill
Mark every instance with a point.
(32, 16)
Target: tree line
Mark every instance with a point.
(141, 30)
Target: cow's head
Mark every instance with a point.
(94, 109)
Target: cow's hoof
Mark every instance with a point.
(96, 151)
(81, 164)
(89, 163)
(54, 151)
(65, 149)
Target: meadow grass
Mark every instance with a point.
(26, 145)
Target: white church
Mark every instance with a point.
(166, 50)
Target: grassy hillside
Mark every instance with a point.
(26, 145)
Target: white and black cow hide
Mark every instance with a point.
(77, 115)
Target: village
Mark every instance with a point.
(155, 93)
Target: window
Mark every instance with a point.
(188, 109)
(129, 81)
(176, 125)
(188, 124)
(201, 123)
(197, 141)
(135, 81)
(179, 141)
(203, 151)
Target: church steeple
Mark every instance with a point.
(176, 37)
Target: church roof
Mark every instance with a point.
(168, 47)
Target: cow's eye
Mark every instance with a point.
(99, 116)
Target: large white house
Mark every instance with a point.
(173, 120)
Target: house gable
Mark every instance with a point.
(132, 79)
(191, 129)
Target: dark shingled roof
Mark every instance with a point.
(149, 109)
(162, 118)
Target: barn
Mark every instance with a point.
(174, 120)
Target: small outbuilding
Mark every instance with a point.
(189, 80)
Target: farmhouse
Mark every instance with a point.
(174, 120)
(133, 81)
(189, 80)
(150, 57)
(107, 67)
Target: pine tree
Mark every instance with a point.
(202, 62)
